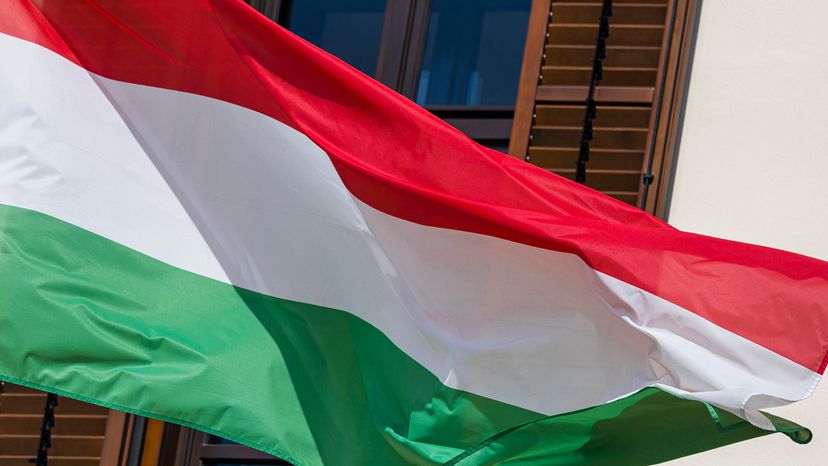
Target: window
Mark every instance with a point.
(351, 30)
(472, 52)
(460, 59)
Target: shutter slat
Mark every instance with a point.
(629, 13)
(584, 34)
(71, 445)
(28, 403)
(78, 424)
(603, 94)
(18, 460)
(573, 115)
(604, 138)
(617, 56)
(566, 157)
(613, 76)
(612, 181)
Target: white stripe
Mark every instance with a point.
(234, 195)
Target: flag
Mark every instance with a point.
(206, 220)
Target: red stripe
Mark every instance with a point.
(398, 158)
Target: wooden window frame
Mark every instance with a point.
(668, 109)
(117, 438)
(529, 77)
(193, 450)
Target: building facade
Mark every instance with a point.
(514, 75)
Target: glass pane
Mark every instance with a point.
(245, 464)
(216, 440)
(500, 147)
(349, 29)
(473, 52)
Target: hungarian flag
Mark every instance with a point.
(207, 220)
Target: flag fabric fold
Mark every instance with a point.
(207, 220)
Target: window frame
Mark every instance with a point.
(399, 61)
(192, 450)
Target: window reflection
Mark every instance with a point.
(473, 52)
(349, 29)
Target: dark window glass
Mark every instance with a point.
(216, 440)
(349, 29)
(500, 147)
(473, 52)
(244, 464)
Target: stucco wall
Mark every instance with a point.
(753, 162)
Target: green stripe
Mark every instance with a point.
(98, 321)
(649, 427)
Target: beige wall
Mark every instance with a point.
(753, 162)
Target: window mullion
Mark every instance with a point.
(394, 42)
(416, 45)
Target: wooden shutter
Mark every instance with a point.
(634, 98)
(77, 438)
